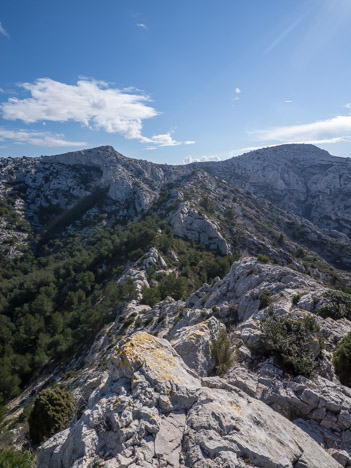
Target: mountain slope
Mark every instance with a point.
(119, 277)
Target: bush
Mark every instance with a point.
(52, 411)
(263, 258)
(265, 299)
(337, 305)
(292, 340)
(222, 353)
(13, 459)
(151, 296)
(296, 299)
(342, 360)
(172, 286)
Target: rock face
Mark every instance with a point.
(154, 411)
(189, 224)
(302, 179)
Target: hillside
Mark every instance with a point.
(196, 313)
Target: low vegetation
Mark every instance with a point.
(342, 360)
(13, 459)
(337, 305)
(52, 411)
(293, 340)
(222, 353)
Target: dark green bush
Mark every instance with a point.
(265, 299)
(342, 360)
(262, 258)
(222, 353)
(151, 296)
(292, 340)
(52, 411)
(13, 459)
(172, 286)
(296, 299)
(337, 305)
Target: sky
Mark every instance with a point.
(174, 81)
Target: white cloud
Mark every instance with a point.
(143, 26)
(288, 101)
(348, 105)
(94, 104)
(324, 131)
(192, 159)
(37, 138)
(237, 91)
(165, 139)
(3, 31)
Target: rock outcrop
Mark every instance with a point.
(154, 411)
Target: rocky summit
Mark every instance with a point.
(176, 316)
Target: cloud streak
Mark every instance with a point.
(142, 26)
(324, 131)
(37, 138)
(3, 31)
(93, 104)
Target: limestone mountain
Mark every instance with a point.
(197, 314)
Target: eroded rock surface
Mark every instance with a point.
(154, 411)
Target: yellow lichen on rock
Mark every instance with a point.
(145, 350)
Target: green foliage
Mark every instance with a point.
(172, 286)
(221, 350)
(151, 296)
(300, 253)
(262, 258)
(292, 340)
(337, 306)
(342, 360)
(296, 299)
(207, 205)
(13, 459)
(265, 299)
(52, 411)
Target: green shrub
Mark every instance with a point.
(265, 299)
(342, 360)
(207, 205)
(172, 286)
(52, 411)
(262, 258)
(337, 305)
(222, 353)
(13, 459)
(292, 340)
(296, 299)
(151, 296)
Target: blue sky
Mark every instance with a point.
(173, 81)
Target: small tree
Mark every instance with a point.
(337, 305)
(291, 340)
(342, 360)
(151, 296)
(222, 353)
(52, 411)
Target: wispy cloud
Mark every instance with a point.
(324, 131)
(348, 105)
(192, 159)
(94, 104)
(3, 31)
(37, 138)
(142, 26)
(165, 139)
(288, 101)
(236, 97)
